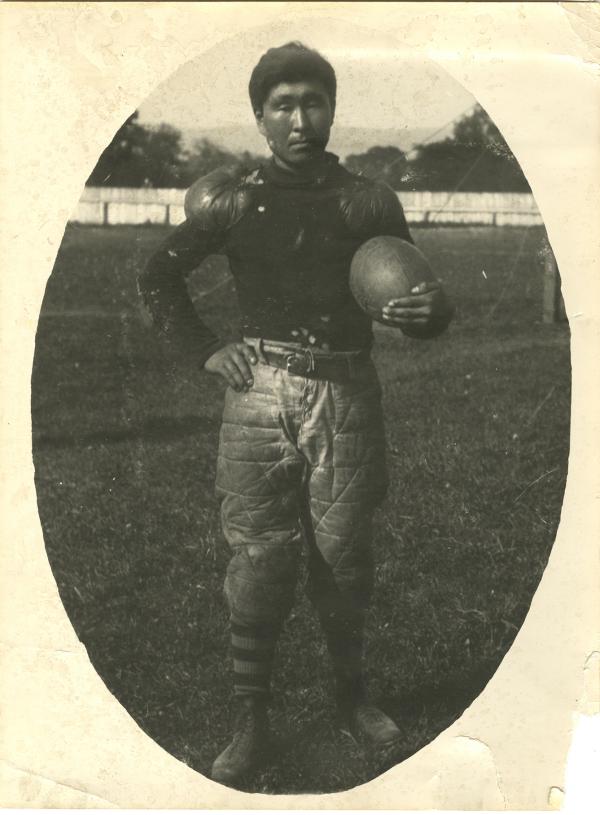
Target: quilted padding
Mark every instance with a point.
(300, 460)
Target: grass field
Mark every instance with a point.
(124, 448)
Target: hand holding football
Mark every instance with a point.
(393, 283)
(384, 269)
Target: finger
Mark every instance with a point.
(410, 299)
(234, 377)
(229, 380)
(403, 322)
(249, 352)
(426, 285)
(243, 367)
(407, 313)
(416, 292)
(414, 302)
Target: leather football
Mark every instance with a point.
(383, 268)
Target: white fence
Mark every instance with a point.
(129, 205)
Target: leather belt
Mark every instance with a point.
(311, 364)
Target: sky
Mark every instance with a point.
(378, 89)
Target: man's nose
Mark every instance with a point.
(300, 120)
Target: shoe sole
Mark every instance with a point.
(241, 780)
(263, 763)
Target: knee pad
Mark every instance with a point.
(260, 582)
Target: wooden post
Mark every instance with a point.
(554, 307)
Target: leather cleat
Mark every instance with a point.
(249, 746)
(366, 724)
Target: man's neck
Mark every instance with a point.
(305, 170)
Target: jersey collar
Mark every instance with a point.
(282, 178)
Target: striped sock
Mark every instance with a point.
(253, 648)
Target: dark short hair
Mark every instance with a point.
(292, 62)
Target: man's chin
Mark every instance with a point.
(300, 160)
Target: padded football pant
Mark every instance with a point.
(300, 461)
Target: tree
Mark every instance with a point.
(140, 156)
(476, 129)
(380, 163)
(475, 158)
(203, 157)
(118, 164)
(164, 156)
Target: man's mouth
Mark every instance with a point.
(304, 143)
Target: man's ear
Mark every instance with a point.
(260, 123)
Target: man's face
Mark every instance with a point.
(295, 120)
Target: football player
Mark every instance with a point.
(301, 461)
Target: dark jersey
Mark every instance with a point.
(289, 240)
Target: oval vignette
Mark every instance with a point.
(125, 441)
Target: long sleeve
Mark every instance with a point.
(391, 219)
(395, 223)
(164, 293)
(371, 208)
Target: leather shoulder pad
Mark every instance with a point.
(218, 200)
(369, 206)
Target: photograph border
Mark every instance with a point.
(525, 62)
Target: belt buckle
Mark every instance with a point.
(299, 363)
